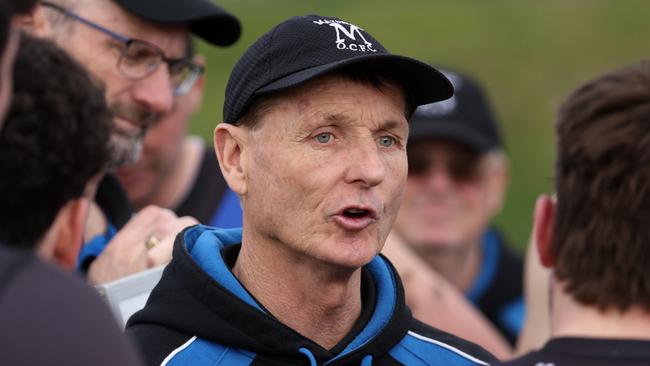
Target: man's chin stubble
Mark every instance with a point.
(125, 150)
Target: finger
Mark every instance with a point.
(161, 253)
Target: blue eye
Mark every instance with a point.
(324, 137)
(386, 141)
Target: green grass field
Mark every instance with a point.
(529, 54)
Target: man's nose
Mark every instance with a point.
(366, 165)
(439, 178)
(155, 91)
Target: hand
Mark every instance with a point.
(127, 253)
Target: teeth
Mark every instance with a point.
(355, 211)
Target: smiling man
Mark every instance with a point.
(314, 143)
(136, 48)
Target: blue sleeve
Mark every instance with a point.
(94, 247)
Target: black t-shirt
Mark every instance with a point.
(48, 317)
(587, 352)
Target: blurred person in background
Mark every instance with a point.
(53, 151)
(595, 237)
(136, 48)
(456, 184)
(177, 171)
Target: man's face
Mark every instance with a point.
(135, 103)
(326, 171)
(451, 194)
(161, 153)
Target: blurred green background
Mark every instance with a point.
(528, 54)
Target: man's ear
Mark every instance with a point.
(229, 143)
(70, 222)
(498, 183)
(543, 228)
(34, 22)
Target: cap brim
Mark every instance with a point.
(423, 83)
(206, 19)
(449, 129)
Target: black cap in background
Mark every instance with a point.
(466, 117)
(205, 18)
(302, 48)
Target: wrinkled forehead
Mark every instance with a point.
(340, 98)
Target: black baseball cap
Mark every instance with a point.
(206, 19)
(465, 118)
(305, 47)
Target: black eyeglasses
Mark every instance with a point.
(462, 165)
(139, 59)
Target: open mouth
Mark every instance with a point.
(355, 218)
(355, 213)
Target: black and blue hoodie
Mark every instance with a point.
(200, 314)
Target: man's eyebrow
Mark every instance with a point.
(394, 124)
(387, 124)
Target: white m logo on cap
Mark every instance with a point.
(348, 32)
(354, 30)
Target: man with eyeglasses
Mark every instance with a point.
(137, 49)
(456, 184)
(179, 171)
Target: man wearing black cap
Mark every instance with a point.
(136, 48)
(456, 185)
(314, 144)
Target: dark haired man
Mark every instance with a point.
(137, 49)
(595, 237)
(458, 174)
(314, 144)
(53, 149)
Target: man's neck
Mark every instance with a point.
(572, 319)
(459, 265)
(317, 301)
(174, 187)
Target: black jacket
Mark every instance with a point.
(48, 317)
(199, 314)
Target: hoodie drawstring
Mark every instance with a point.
(366, 361)
(310, 356)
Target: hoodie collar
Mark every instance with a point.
(239, 312)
